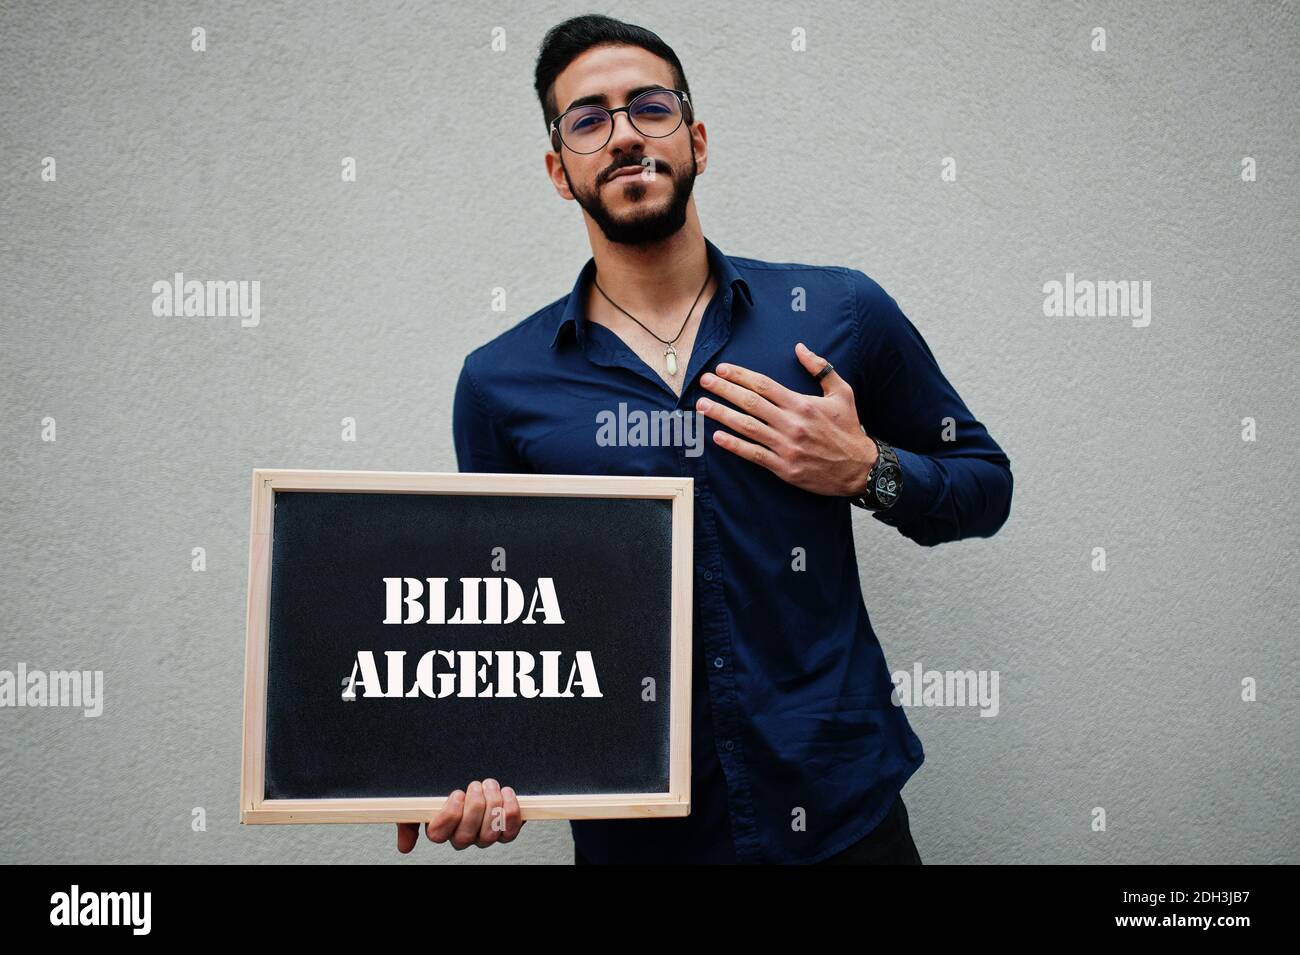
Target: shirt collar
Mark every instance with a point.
(575, 311)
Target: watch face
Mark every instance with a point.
(888, 485)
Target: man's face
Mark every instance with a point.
(635, 208)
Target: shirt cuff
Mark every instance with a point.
(922, 485)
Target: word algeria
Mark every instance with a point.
(465, 676)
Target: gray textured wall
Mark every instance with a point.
(1119, 689)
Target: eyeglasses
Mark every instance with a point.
(655, 113)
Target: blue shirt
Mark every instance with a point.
(797, 750)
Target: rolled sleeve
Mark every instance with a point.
(957, 481)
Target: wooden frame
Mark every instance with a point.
(255, 808)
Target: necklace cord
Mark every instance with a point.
(638, 321)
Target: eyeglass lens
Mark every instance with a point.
(655, 113)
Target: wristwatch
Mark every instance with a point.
(884, 483)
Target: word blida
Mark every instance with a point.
(469, 609)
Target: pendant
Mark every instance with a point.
(670, 359)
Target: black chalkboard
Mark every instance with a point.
(340, 563)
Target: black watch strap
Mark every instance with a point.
(884, 483)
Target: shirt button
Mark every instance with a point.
(708, 575)
(717, 662)
(728, 746)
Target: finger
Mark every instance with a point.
(493, 814)
(741, 423)
(746, 399)
(767, 388)
(471, 820)
(514, 815)
(814, 364)
(448, 818)
(408, 833)
(751, 452)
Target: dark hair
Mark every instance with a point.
(564, 42)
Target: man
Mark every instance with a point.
(811, 391)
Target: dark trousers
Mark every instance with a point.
(890, 843)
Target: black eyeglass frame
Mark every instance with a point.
(683, 100)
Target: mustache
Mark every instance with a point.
(658, 165)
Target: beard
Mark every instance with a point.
(640, 227)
